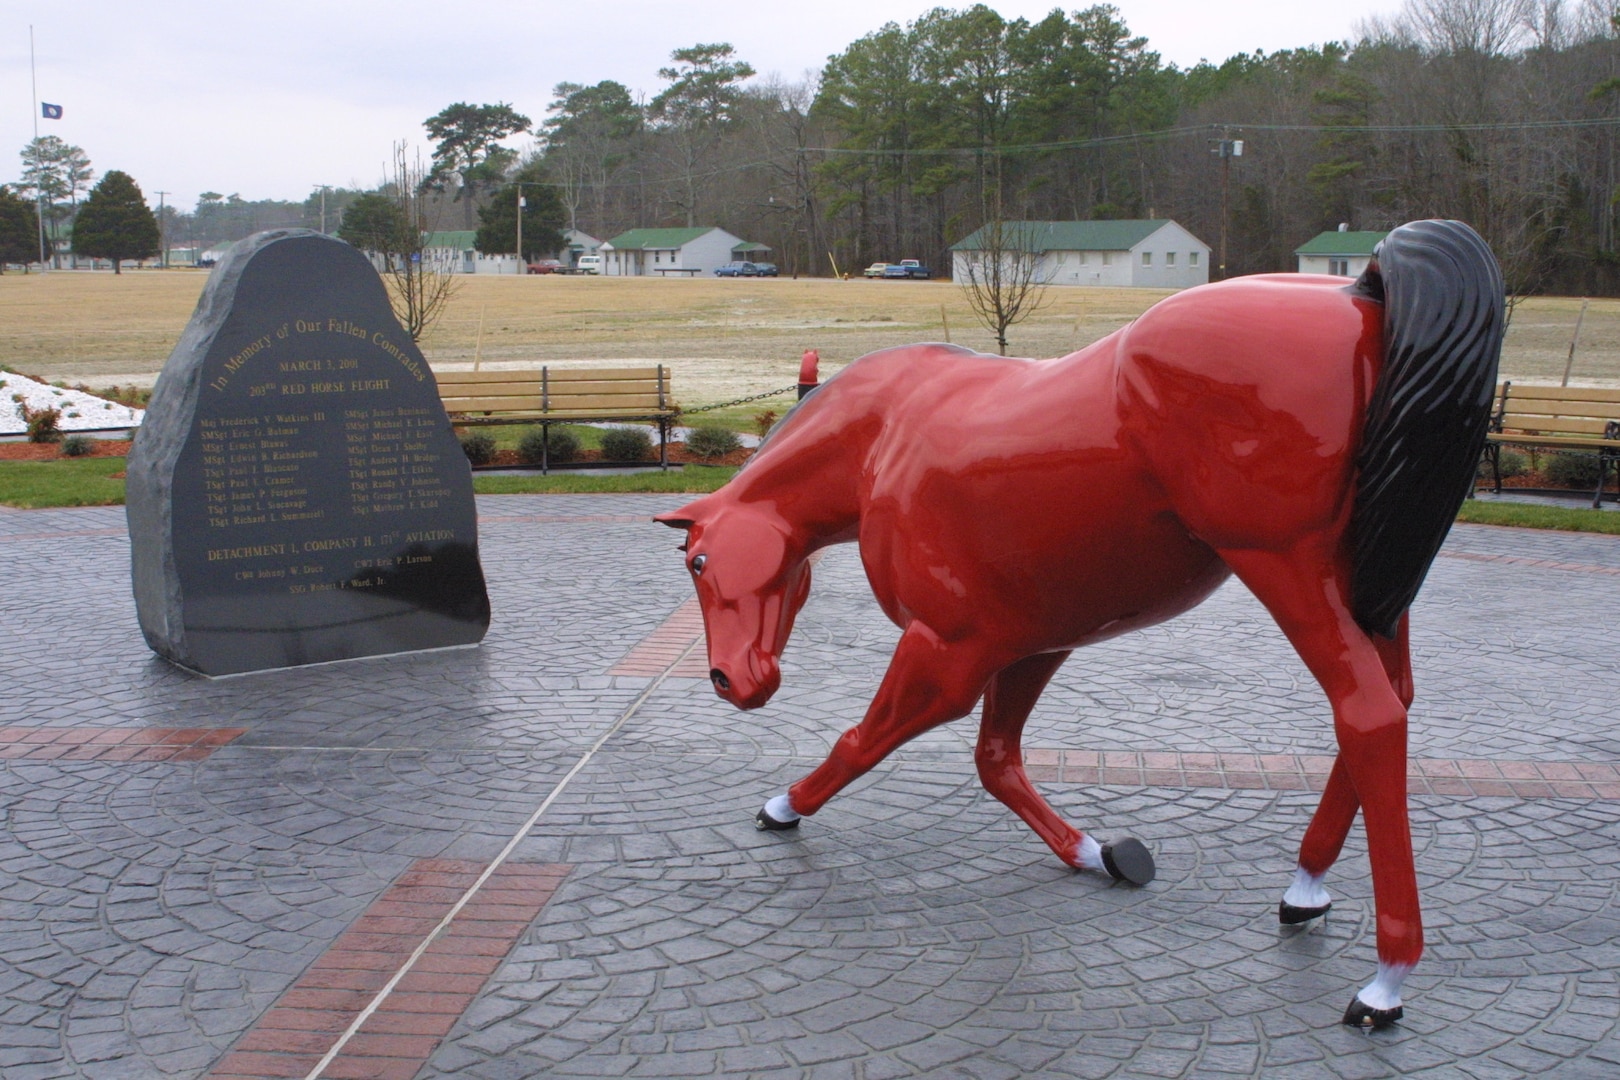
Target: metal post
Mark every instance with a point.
(522, 266)
(39, 189)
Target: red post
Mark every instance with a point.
(807, 372)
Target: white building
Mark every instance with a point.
(1341, 253)
(455, 251)
(669, 252)
(1147, 253)
(577, 244)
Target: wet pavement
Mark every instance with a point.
(536, 857)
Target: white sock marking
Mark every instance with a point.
(1307, 890)
(1090, 854)
(1384, 992)
(781, 809)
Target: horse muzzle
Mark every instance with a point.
(749, 685)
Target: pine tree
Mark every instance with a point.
(19, 242)
(115, 222)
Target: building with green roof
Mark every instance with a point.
(1146, 252)
(671, 252)
(1340, 252)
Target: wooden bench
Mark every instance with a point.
(554, 395)
(1556, 418)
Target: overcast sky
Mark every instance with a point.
(272, 100)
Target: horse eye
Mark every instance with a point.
(697, 563)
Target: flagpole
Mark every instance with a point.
(39, 186)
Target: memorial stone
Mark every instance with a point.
(296, 494)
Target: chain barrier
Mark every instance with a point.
(742, 400)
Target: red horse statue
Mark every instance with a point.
(1312, 436)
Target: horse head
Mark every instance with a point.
(752, 577)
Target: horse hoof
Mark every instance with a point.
(1364, 1016)
(1129, 860)
(1289, 915)
(765, 823)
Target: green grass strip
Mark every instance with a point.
(36, 485)
(696, 480)
(1532, 516)
(33, 485)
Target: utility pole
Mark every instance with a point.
(163, 233)
(1226, 148)
(520, 205)
(324, 188)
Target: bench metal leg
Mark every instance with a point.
(545, 448)
(1603, 474)
(663, 445)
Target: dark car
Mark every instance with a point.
(765, 270)
(737, 269)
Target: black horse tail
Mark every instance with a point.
(1443, 323)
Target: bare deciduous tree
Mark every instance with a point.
(1002, 275)
(418, 288)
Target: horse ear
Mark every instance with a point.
(684, 518)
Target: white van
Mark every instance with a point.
(589, 264)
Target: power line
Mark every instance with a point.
(1204, 129)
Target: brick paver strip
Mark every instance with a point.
(1523, 560)
(1465, 777)
(1274, 772)
(664, 646)
(113, 743)
(396, 1040)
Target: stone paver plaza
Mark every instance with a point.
(537, 858)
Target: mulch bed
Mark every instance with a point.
(27, 451)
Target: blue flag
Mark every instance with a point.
(50, 112)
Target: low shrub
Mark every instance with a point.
(559, 446)
(42, 424)
(77, 446)
(479, 448)
(1513, 463)
(626, 444)
(712, 441)
(1573, 470)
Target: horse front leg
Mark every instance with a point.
(1011, 695)
(1307, 898)
(929, 682)
(1306, 592)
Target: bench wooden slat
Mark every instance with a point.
(555, 374)
(1563, 442)
(558, 402)
(1555, 425)
(1561, 393)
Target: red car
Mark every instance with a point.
(545, 266)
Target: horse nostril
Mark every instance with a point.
(719, 679)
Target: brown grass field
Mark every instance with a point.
(722, 338)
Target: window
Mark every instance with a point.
(1339, 267)
(1108, 258)
(1169, 258)
(1192, 258)
(1147, 258)
(1082, 257)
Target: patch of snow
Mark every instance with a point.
(80, 411)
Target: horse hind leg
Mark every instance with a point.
(1305, 590)
(1008, 699)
